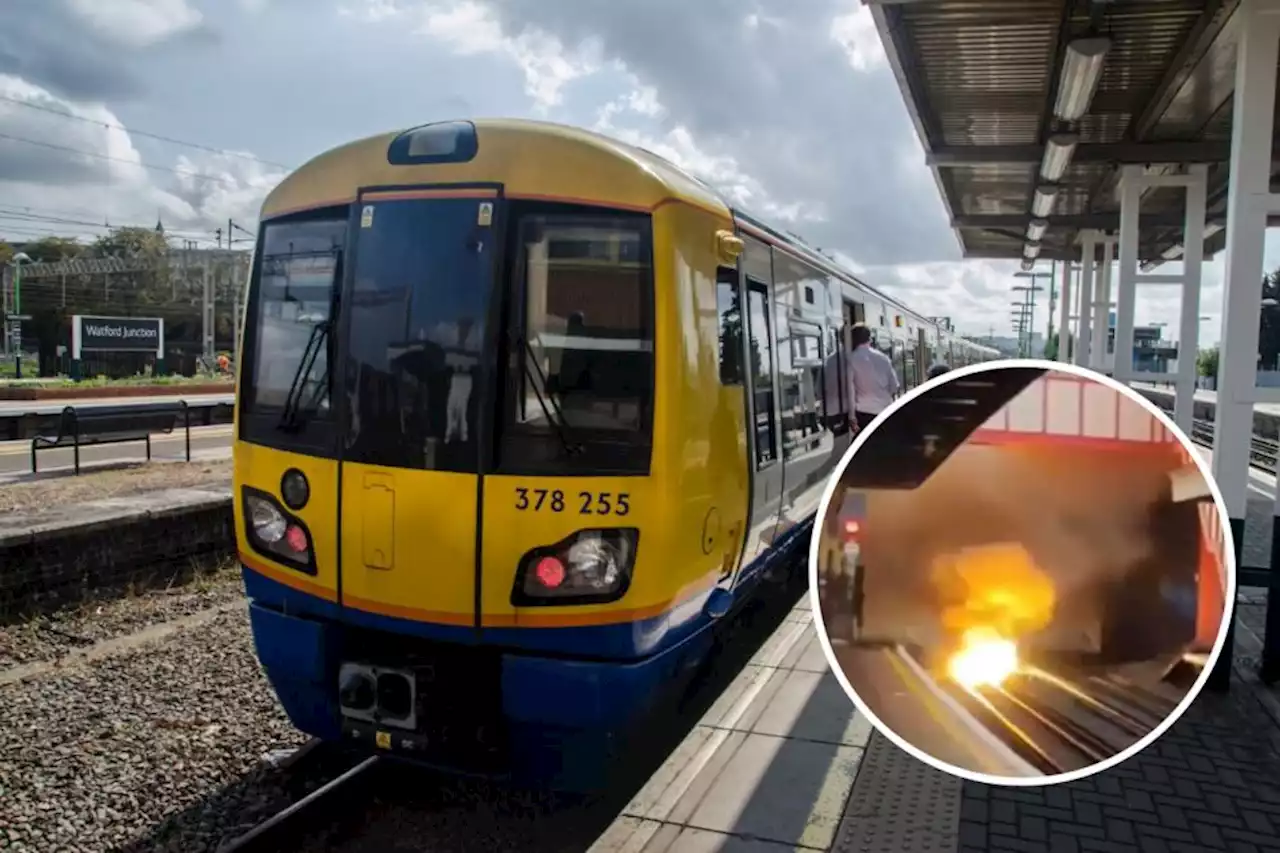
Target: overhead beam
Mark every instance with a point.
(1204, 33)
(1103, 221)
(1098, 152)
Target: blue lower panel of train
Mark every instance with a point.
(561, 721)
(538, 719)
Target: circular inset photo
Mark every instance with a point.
(1022, 572)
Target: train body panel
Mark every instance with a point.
(514, 365)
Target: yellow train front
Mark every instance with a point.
(494, 480)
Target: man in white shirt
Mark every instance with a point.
(870, 383)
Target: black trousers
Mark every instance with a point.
(864, 419)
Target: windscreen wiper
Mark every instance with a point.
(290, 417)
(550, 408)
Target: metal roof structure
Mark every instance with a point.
(985, 84)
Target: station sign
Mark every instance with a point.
(116, 334)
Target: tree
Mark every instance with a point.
(1269, 323)
(147, 246)
(49, 250)
(1207, 362)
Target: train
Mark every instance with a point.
(524, 414)
(1103, 496)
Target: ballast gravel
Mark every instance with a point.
(160, 747)
(49, 637)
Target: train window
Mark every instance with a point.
(417, 311)
(293, 290)
(761, 370)
(800, 380)
(729, 310)
(580, 377)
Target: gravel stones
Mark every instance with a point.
(157, 748)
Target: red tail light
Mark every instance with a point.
(550, 572)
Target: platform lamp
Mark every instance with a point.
(1079, 76)
(15, 319)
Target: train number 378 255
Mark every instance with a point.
(586, 503)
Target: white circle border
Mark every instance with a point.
(1229, 602)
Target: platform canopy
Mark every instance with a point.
(1026, 109)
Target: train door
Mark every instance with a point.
(808, 443)
(854, 313)
(417, 305)
(766, 481)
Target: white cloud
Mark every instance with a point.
(138, 23)
(856, 33)
(470, 28)
(97, 175)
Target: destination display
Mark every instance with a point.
(117, 334)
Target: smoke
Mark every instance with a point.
(1083, 517)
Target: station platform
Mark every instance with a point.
(1205, 396)
(784, 761)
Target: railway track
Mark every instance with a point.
(334, 801)
(1060, 722)
(1263, 453)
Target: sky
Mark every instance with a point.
(786, 105)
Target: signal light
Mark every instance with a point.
(851, 527)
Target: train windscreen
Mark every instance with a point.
(369, 341)
(288, 346)
(579, 366)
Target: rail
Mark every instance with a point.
(1263, 453)
(330, 803)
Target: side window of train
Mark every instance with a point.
(802, 390)
(729, 310)
(761, 370)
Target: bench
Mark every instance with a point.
(92, 425)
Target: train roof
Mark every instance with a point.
(569, 164)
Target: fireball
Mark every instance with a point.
(990, 595)
(985, 659)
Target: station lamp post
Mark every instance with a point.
(1022, 321)
(15, 319)
(1029, 295)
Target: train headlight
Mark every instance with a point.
(589, 567)
(268, 523)
(274, 533)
